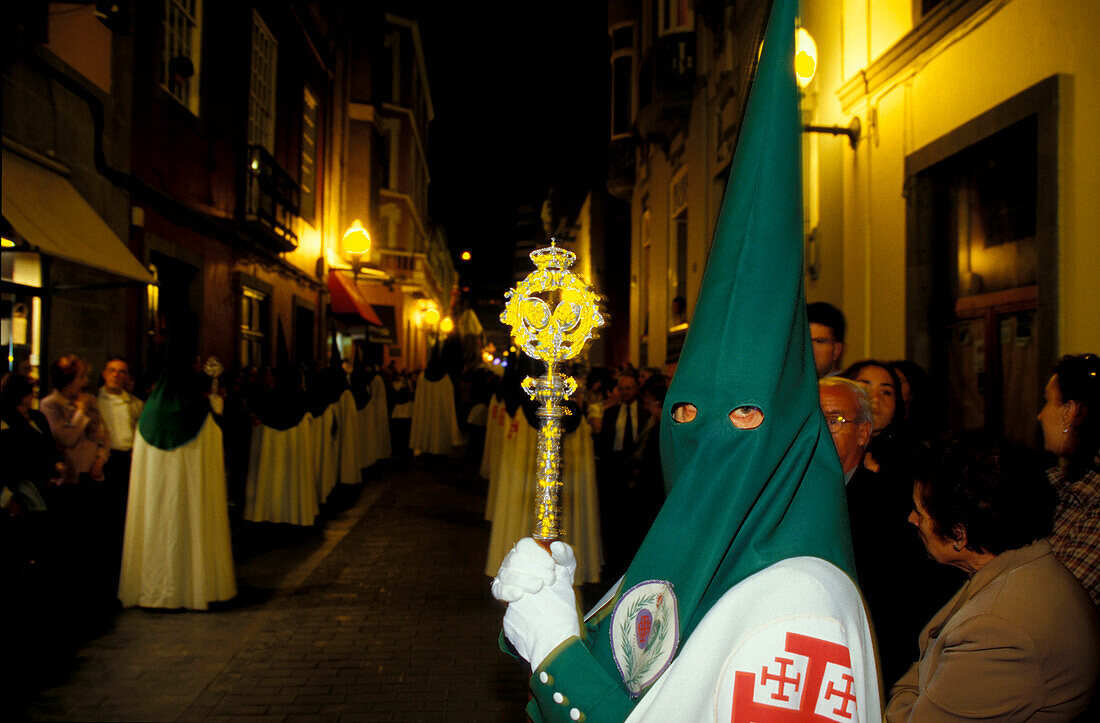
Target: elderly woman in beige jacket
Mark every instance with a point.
(1020, 640)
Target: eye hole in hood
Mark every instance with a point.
(684, 412)
(747, 417)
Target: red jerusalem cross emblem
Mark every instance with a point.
(810, 682)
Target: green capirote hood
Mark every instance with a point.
(742, 500)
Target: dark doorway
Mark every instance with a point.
(982, 259)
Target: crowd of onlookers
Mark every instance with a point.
(980, 572)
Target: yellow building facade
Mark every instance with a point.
(960, 231)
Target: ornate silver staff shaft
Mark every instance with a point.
(553, 313)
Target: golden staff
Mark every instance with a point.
(553, 314)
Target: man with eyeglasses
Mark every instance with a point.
(901, 585)
(847, 410)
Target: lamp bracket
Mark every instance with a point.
(853, 130)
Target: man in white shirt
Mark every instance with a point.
(120, 410)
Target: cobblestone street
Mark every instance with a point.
(384, 614)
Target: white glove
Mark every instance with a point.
(542, 609)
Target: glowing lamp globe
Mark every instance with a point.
(431, 316)
(356, 240)
(446, 326)
(805, 57)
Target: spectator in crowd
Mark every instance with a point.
(120, 410)
(901, 586)
(648, 478)
(848, 412)
(614, 445)
(31, 459)
(882, 385)
(916, 388)
(82, 543)
(1020, 640)
(827, 329)
(75, 421)
(1070, 420)
(598, 386)
(31, 462)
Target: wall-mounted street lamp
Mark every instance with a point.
(356, 243)
(805, 57)
(805, 67)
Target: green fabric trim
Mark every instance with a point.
(583, 682)
(175, 412)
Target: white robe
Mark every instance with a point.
(351, 441)
(176, 551)
(490, 451)
(774, 641)
(282, 484)
(375, 424)
(328, 451)
(434, 423)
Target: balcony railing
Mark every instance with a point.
(271, 201)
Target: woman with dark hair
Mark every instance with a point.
(32, 459)
(75, 422)
(886, 450)
(1070, 420)
(1019, 641)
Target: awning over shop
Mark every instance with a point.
(346, 298)
(51, 215)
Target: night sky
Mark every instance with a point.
(520, 97)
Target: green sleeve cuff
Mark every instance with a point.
(571, 686)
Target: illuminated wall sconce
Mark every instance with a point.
(356, 243)
(805, 68)
(805, 57)
(431, 316)
(446, 326)
(152, 300)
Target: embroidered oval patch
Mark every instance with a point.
(644, 633)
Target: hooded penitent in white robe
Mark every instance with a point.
(281, 476)
(375, 424)
(351, 441)
(434, 423)
(495, 430)
(176, 552)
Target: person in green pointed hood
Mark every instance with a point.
(740, 604)
(176, 551)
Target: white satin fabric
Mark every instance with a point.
(490, 451)
(351, 440)
(434, 423)
(176, 551)
(375, 424)
(282, 484)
